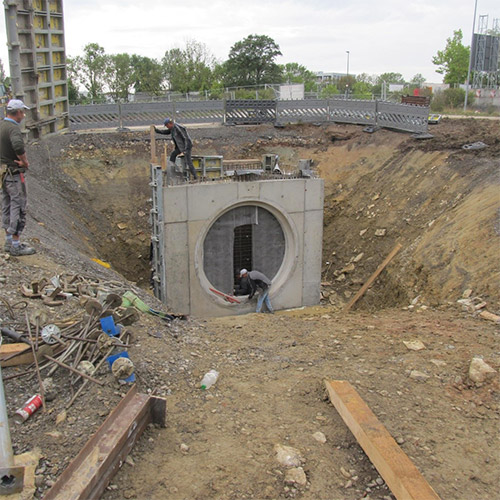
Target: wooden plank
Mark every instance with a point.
(153, 143)
(373, 277)
(87, 476)
(489, 316)
(392, 463)
(7, 350)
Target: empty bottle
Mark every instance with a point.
(209, 379)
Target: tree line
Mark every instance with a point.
(251, 62)
(193, 68)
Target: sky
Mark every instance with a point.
(369, 36)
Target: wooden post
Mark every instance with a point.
(395, 467)
(372, 278)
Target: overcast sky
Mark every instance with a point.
(398, 36)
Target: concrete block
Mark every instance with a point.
(314, 194)
(288, 194)
(248, 190)
(177, 267)
(206, 200)
(175, 202)
(313, 225)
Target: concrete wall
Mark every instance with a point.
(189, 212)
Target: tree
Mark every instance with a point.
(189, 69)
(453, 61)
(417, 81)
(329, 90)
(296, 73)
(362, 90)
(119, 76)
(390, 78)
(2, 72)
(251, 62)
(89, 70)
(148, 74)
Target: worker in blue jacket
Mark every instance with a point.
(182, 141)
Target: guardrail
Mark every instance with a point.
(404, 117)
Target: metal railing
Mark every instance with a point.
(404, 117)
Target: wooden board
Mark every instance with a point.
(392, 463)
(87, 476)
(7, 350)
(372, 278)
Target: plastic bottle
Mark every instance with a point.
(209, 379)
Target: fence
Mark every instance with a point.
(233, 112)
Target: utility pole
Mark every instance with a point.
(470, 58)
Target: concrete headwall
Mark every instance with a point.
(191, 210)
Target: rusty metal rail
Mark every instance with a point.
(89, 473)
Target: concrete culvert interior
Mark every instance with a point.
(246, 237)
(88, 198)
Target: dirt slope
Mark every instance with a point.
(88, 198)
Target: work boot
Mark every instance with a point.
(6, 247)
(22, 249)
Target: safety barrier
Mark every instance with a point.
(404, 117)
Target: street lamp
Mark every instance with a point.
(347, 76)
(470, 57)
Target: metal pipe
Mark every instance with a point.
(11, 477)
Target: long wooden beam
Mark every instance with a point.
(89, 473)
(373, 277)
(392, 463)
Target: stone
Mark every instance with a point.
(362, 232)
(480, 371)
(349, 268)
(296, 475)
(416, 375)
(467, 293)
(380, 232)
(320, 437)
(345, 473)
(438, 362)
(50, 391)
(61, 417)
(358, 257)
(184, 448)
(414, 345)
(288, 456)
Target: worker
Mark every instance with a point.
(14, 164)
(253, 281)
(182, 141)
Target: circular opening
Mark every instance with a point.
(247, 236)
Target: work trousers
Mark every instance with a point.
(264, 298)
(187, 158)
(14, 198)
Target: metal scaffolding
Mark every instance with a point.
(486, 55)
(37, 58)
